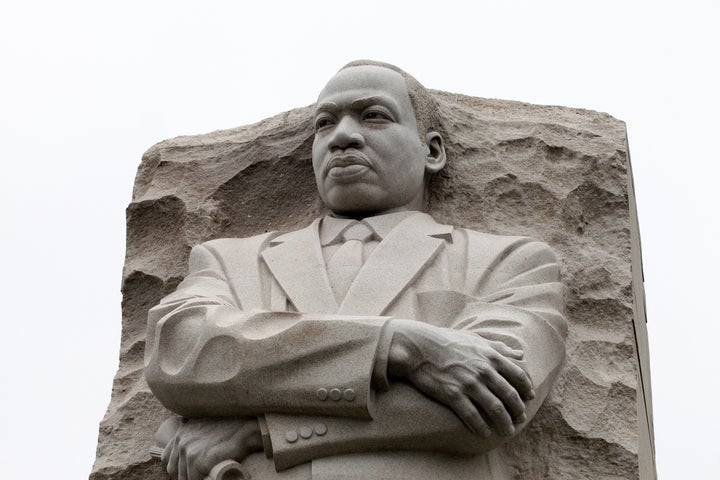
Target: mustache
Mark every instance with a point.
(345, 159)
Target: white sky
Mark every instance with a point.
(87, 87)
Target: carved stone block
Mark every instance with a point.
(556, 174)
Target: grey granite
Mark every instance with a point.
(555, 174)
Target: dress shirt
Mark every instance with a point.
(332, 228)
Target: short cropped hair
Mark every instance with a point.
(425, 106)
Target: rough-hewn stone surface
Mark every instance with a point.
(556, 174)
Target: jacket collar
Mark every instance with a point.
(296, 261)
(332, 228)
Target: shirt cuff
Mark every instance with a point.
(379, 375)
(265, 433)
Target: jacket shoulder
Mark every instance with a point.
(496, 261)
(213, 254)
(502, 247)
(220, 246)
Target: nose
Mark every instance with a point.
(346, 134)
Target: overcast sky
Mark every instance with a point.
(87, 87)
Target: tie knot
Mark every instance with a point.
(357, 231)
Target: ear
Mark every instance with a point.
(436, 158)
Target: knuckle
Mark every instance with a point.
(507, 392)
(496, 409)
(496, 345)
(501, 361)
(516, 403)
(467, 416)
(518, 373)
(513, 396)
(193, 451)
(516, 376)
(183, 445)
(483, 430)
(453, 392)
(484, 370)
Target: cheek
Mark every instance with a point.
(317, 156)
(407, 144)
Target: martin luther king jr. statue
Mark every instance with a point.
(374, 343)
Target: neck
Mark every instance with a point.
(360, 214)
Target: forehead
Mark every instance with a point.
(366, 81)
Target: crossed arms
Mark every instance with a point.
(461, 386)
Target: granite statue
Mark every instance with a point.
(374, 343)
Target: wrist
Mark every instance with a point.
(405, 348)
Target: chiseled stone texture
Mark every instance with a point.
(556, 174)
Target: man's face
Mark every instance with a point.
(367, 155)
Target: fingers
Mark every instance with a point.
(193, 465)
(455, 398)
(469, 414)
(175, 458)
(477, 378)
(494, 409)
(167, 451)
(195, 474)
(497, 399)
(507, 351)
(515, 376)
(192, 461)
(506, 394)
(201, 443)
(172, 452)
(182, 467)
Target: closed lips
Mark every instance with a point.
(341, 161)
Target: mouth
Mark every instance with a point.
(347, 166)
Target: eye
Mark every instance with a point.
(322, 122)
(377, 116)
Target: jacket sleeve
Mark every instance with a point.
(206, 356)
(511, 294)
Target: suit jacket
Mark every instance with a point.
(254, 329)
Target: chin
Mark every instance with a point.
(354, 201)
(356, 209)
(353, 211)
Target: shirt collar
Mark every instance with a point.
(331, 228)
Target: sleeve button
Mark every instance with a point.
(349, 394)
(320, 429)
(322, 394)
(306, 432)
(335, 394)
(291, 436)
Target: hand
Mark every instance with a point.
(198, 445)
(473, 376)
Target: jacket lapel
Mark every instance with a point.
(396, 262)
(296, 261)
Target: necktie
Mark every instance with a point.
(347, 261)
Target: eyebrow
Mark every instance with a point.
(374, 100)
(360, 103)
(325, 106)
